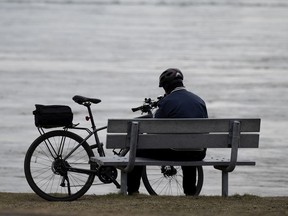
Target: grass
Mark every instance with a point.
(143, 205)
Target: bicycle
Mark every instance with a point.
(57, 164)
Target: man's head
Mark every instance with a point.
(171, 79)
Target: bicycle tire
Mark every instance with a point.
(156, 183)
(45, 170)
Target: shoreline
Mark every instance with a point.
(143, 205)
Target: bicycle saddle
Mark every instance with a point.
(80, 99)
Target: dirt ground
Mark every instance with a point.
(143, 205)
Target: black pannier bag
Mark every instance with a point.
(49, 116)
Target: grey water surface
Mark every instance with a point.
(234, 54)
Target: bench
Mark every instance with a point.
(180, 134)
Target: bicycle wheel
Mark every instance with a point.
(50, 175)
(167, 180)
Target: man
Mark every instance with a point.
(177, 103)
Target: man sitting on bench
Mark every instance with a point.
(177, 103)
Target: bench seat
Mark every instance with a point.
(140, 161)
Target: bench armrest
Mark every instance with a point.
(235, 140)
(133, 133)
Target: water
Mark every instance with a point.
(232, 53)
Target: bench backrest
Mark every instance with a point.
(184, 133)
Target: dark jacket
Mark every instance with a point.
(181, 104)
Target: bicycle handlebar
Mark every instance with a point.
(136, 109)
(148, 105)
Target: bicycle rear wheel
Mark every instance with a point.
(167, 180)
(49, 174)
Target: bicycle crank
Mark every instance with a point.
(107, 174)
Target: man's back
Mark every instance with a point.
(181, 104)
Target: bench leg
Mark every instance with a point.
(123, 189)
(224, 184)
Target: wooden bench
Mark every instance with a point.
(180, 134)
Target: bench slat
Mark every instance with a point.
(123, 161)
(158, 141)
(183, 125)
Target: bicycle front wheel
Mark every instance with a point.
(167, 180)
(50, 175)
